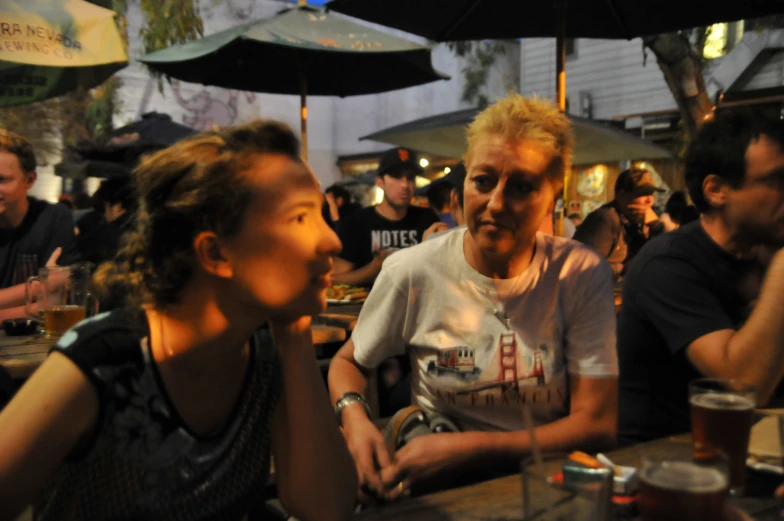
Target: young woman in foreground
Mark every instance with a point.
(168, 409)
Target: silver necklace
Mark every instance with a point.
(498, 310)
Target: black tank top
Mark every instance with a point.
(142, 462)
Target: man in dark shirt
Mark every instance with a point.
(370, 235)
(707, 299)
(620, 228)
(101, 243)
(30, 230)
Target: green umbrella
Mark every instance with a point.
(50, 47)
(303, 50)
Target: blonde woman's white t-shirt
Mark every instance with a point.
(430, 303)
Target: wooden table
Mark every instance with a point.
(340, 315)
(22, 355)
(501, 499)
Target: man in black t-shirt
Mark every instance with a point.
(370, 235)
(708, 299)
(30, 230)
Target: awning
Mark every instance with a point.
(444, 134)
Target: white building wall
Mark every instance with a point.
(770, 75)
(619, 79)
(47, 185)
(611, 71)
(357, 116)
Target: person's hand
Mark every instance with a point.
(367, 447)
(434, 228)
(643, 213)
(286, 331)
(732, 513)
(421, 460)
(379, 258)
(54, 257)
(333, 206)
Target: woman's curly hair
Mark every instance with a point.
(196, 185)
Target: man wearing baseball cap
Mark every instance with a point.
(370, 235)
(621, 227)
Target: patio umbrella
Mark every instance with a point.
(444, 135)
(303, 50)
(50, 47)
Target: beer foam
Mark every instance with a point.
(732, 402)
(685, 477)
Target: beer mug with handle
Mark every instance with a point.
(63, 297)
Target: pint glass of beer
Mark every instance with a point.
(63, 297)
(721, 415)
(682, 490)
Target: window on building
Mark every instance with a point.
(571, 47)
(721, 39)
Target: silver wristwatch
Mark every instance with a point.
(349, 399)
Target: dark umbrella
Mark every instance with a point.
(303, 50)
(499, 19)
(123, 148)
(126, 144)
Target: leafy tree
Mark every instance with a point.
(479, 57)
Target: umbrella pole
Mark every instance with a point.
(303, 114)
(560, 58)
(560, 99)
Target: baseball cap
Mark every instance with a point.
(637, 181)
(399, 159)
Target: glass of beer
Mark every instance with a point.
(682, 489)
(63, 297)
(722, 412)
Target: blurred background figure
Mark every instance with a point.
(65, 200)
(451, 212)
(88, 218)
(576, 219)
(678, 212)
(338, 205)
(83, 204)
(620, 228)
(99, 243)
(439, 197)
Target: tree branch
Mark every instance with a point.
(683, 71)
